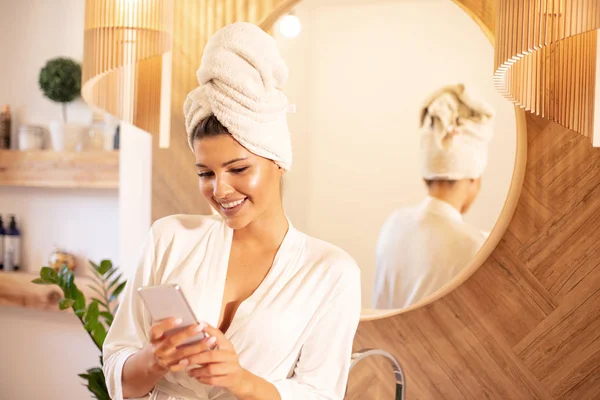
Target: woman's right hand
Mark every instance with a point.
(167, 350)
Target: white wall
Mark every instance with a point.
(84, 222)
(135, 194)
(359, 73)
(42, 352)
(33, 32)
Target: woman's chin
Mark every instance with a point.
(236, 222)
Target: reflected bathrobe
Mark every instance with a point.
(296, 329)
(421, 249)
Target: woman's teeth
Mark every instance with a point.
(232, 204)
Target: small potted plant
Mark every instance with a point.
(60, 82)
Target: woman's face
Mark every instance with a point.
(241, 186)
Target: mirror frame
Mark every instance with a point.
(514, 190)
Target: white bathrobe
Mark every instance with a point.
(420, 250)
(296, 329)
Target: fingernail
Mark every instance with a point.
(178, 321)
(184, 362)
(199, 328)
(211, 341)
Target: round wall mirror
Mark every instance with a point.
(404, 152)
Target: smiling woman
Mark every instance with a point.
(271, 298)
(239, 184)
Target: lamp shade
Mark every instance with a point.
(545, 58)
(124, 45)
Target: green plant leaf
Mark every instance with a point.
(99, 334)
(95, 266)
(70, 278)
(79, 305)
(100, 302)
(49, 274)
(92, 312)
(63, 269)
(116, 292)
(108, 317)
(63, 304)
(105, 266)
(91, 316)
(97, 277)
(71, 292)
(97, 291)
(114, 282)
(110, 273)
(65, 278)
(90, 326)
(62, 283)
(40, 281)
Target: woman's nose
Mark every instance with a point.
(222, 189)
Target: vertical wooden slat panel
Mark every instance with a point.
(110, 28)
(548, 33)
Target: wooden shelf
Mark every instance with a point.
(16, 289)
(62, 169)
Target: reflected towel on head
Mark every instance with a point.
(241, 78)
(456, 128)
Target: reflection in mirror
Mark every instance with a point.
(404, 152)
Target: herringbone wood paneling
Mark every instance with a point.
(371, 372)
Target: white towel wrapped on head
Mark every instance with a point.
(456, 128)
(241, 76)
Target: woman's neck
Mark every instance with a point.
(267, 231)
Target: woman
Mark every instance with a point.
(280, 308)
(420, 249)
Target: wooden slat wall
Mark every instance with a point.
(556, 43)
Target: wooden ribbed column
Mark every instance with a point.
(122, 63)
(545, 58)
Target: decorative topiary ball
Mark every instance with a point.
(60, 80)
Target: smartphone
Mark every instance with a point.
(168, 301)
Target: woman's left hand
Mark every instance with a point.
(219, 367)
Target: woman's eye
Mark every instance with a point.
(238, 170)
(205, 174)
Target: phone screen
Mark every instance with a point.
(168, 301)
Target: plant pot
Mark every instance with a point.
(57, 135)
(69, 136)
